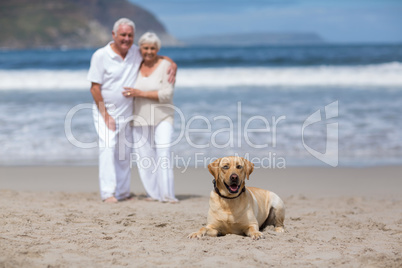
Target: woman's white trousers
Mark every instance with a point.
(155, 166)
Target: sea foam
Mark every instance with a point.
(363, 76)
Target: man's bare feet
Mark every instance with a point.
(128, 198)
(111, 199)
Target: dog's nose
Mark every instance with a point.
(234, 178)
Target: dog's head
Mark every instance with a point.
(230, 173)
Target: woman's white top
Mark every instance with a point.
(149, 112)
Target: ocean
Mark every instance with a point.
(278, 106)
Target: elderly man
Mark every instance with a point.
(114, 67)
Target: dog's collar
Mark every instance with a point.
(219, 193)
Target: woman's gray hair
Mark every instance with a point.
(123, 21)
(150, 38)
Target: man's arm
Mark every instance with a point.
(172, 70)
(97, 95)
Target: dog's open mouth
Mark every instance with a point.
(232, 188)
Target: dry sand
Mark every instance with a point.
(336, 217)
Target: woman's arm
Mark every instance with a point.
(172, 70)
(163, 95)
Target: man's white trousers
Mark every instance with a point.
(114, 157)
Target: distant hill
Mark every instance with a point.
(70, 23)
(255, 39)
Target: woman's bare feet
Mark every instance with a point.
(150, 199)
(111, 199)
(171, 201)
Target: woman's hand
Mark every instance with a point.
(132, 92)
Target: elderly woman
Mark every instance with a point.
(153, 121)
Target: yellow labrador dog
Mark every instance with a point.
(237, 209)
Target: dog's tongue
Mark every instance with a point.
(233, 188)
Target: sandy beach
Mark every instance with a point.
(335, 217)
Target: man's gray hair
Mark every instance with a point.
(123, 21)
(150, 38)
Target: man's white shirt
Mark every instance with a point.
(113, 73)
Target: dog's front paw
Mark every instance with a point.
(257, 235)
(195, 235)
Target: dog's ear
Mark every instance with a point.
(249, 168)
(214, 168)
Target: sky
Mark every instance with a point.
(343, 21)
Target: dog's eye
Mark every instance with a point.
(239, 166)
(225, 167)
